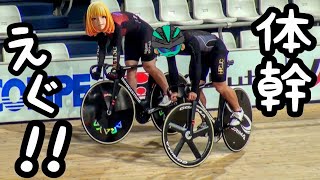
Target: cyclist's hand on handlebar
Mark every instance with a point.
(96, 75)
(192, 96)
(174, 96)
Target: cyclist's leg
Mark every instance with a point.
(218, 75)
(148, 58)
(204, 73)
(202, 96)
(160, 79)
(228, 94)
(232, 99)
(131, 74)
(131, 59)
(203, 100)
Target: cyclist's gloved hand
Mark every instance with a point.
(192, 96)
(173, 93)
(174, 96)
(112, 74)
(96, 75)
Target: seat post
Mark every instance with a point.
(220, 33)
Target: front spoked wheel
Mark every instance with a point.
(187, 149)
(236, 138)
(101, 127)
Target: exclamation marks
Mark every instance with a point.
(53, 165)
(27, 164)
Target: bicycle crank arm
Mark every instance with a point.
(152, 110)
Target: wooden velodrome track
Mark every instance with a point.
(279, 148)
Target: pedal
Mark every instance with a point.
(152, 110)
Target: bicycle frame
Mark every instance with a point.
(120, 70)
(136, 99)
(190, 121)
(120, 79)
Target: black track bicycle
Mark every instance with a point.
(110, 106)
(190, 146)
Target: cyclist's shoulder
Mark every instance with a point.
(122, 16)
(118, 14)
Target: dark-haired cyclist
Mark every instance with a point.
(207, 52)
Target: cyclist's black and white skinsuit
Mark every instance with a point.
(138, 36)
(207, 51)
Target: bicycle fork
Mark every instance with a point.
(113, 97)
(191, 120)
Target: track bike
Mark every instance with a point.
(190, 146)
(110, 106)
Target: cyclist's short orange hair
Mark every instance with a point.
(98, 8)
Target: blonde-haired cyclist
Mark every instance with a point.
(109, 28)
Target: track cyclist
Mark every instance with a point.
(206, 51)
(109, 28)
